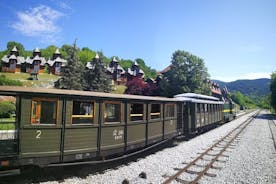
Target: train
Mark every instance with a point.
(55, 127)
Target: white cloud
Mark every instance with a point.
(39, 22)
(256, 75)
(249, 76)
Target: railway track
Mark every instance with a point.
(220, 146)
(271, 124)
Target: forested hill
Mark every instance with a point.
(257, 87)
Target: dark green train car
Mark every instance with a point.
(197, 113)
(229, 111)
(65, 126)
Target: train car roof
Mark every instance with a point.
(196, 96)
(194, 100)
(15, 90)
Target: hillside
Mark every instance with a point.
(256, 87)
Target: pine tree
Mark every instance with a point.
(72, 73)
(95, 77)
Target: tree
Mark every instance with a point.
(95, 77)
(187, 73)
(48, 52)
(273, 90)
(149, 73)
(138, 86)
(135, 86)
(73, 72)
(86, 55)
(6, 109)
(242, 100)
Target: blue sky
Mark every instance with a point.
(236, 38)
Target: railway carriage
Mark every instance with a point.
(62, 126)
(52, 127)
(197, 113)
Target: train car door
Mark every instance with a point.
(112, 133)
(81, 129)
(136, 124)
(40, 129)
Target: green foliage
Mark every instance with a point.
(187, 74)
(9, 82)
(264, 102)
(126, 63)
(7, 108)
(86, 55)
(96, 79)
(72, 73)
(242, 100)
(149, 73)
(273, 90)
(48, 52)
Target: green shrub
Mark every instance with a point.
(9, 82)
(7, 108)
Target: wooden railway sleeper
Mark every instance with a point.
(197, 172)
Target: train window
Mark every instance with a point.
(205, 108)
(169, 110)
(112, 112)
(136, 112)
(155, 111)
(83, 112)
(198, 108)
(44, 111)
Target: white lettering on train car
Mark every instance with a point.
(38, 133)
(118, 134)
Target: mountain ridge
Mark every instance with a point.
(250, 87)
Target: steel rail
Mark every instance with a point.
(271, 121)
(174, 177)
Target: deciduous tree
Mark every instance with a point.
(187, 73)
(273, 90)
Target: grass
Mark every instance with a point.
(43, 79)
(7, 123)
(118, 89)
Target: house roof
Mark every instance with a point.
(30, 60)
(51, 62)
(7, 58)
(14, 49)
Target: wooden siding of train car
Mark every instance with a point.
(170, 124)
(80, 140)
(193, 117)
(112, 136)
(155, 126)
(136, 130)
(37, 141)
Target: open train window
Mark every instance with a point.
(169, 110)
(44, 111)
(155, 112)
(198, 108)
(136, 112)
(112, 112)
(83, 112)
(205, 108)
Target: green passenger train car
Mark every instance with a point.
(198, 113)
(52, 126)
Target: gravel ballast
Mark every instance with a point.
(251, 161)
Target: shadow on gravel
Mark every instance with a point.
(59, 174)
(266, 116)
